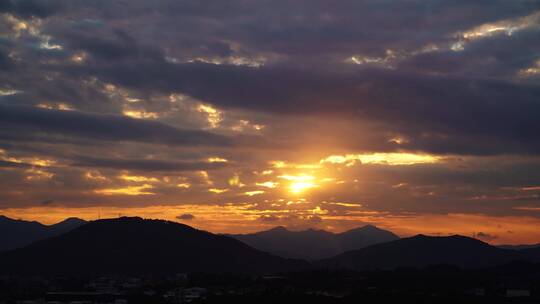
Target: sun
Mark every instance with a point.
(300, 183)
(299, 187)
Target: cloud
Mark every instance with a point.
(459, 103)
(457, 111)
(6, 63)
(351, 78)
(47, 202)
(307, 30)
(186, 217)
(485, 236)
(29, 8)
(10, 164)
(268, 218)
(146, 164)
(102, 127)
(118, 45)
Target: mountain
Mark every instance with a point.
(531, 254)
(66, 225)
(314, 244)
(18, 233)
(364, 236)
(139, 246)
(422, 251)
(519, 247)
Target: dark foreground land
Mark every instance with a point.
(512, 283)
(133, 260)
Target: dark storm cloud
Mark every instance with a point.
(495, 56)
(487, 174)
(186, 217)
(302, 29)
(47, 202)
(29, 8)
(118, 45)
(5, 62)
(145, 164)
(10, 164)
(103, 127)
(485, 236)
(461, 110)
(445, 113)
(268, 218)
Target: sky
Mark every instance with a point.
(238, 116)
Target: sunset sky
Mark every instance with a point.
(238, 116)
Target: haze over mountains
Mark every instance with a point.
(19, 233)
(314, 244)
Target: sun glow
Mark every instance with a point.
(300, 183)
(130, 190)
(267, 184)
(140, 114)
(136, 178)
(218, 190)
(299, 178)
(300, 187)
(213, 115)
(391, 159)
(252, 193)
(217, 160)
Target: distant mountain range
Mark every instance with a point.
(314, 244)
(130, 245)
(422, 251)
(19, 233)
(135, 245)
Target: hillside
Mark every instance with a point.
(135, 245)
(422, 251)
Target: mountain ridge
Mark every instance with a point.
(520, 246)
(136, 245)
(422, 251)
(314, 244)
(19, 233)
(133, 245)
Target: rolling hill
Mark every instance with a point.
(139, 246)
(421, 251)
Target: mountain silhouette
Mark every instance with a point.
(314, 244)
(423, 251)
(140, 246)
(19, 233)
(519, 247)
(531, 254)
